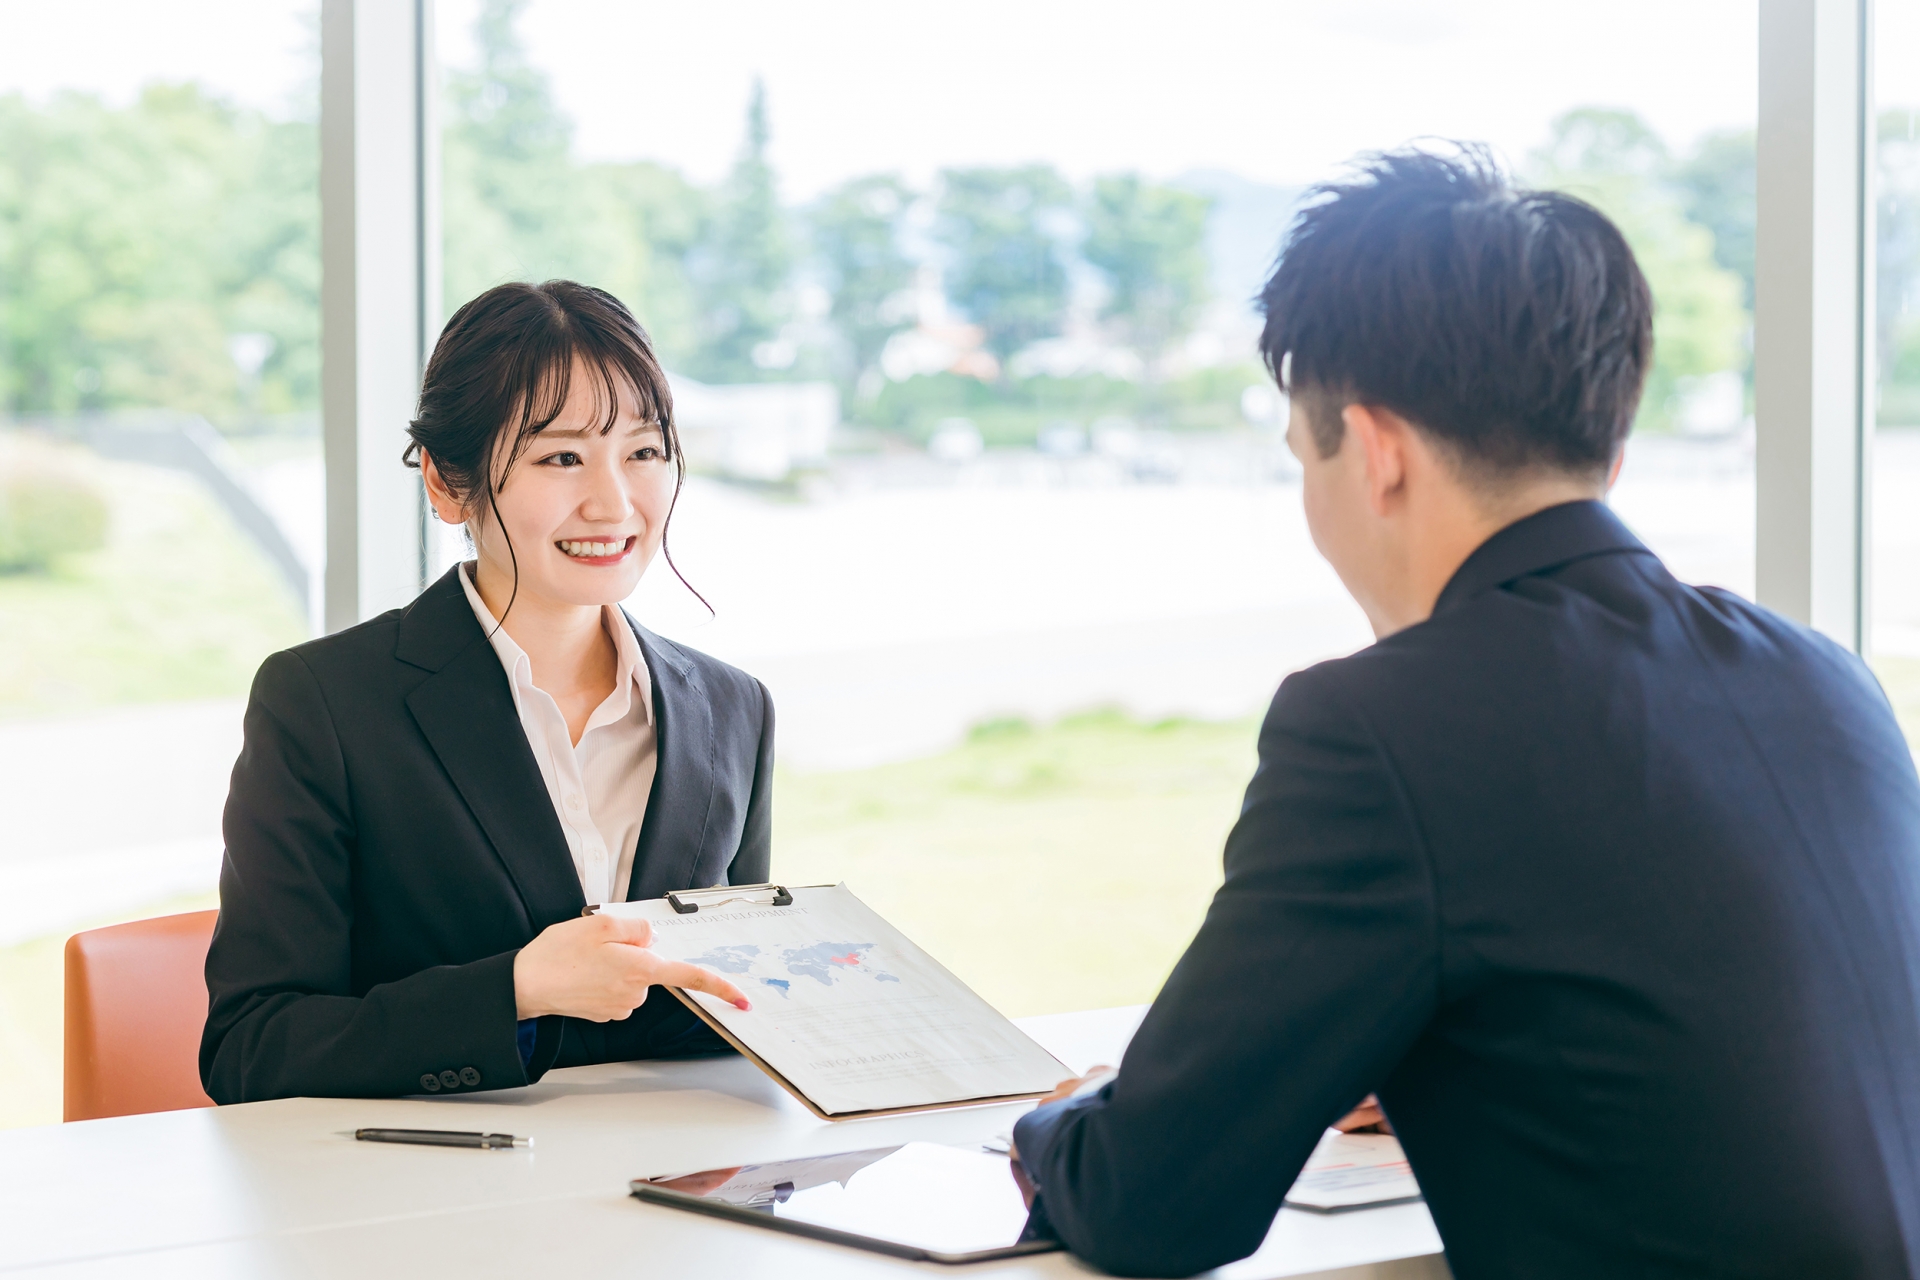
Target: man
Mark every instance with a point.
(1608, 886)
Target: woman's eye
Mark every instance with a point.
(647, 452)
(561, 460)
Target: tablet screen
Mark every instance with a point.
(925, 1196)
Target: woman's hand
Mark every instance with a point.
(599, 968)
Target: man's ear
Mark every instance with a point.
(1613, 472)
(1382, 440)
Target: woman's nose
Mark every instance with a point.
(607, 498)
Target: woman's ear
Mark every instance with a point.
(445, 506)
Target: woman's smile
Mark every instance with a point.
(597, 552)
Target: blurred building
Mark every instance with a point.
(761, 431)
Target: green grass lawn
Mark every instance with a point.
(178, 605)
(1052, 869)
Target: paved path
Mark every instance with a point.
(110, 811)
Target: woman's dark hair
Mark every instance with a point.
(1513, 326)
(504, 367)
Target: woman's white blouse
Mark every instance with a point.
(600, 787)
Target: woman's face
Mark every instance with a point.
(585, 509)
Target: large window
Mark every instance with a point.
(1894, 595)
(160, 490)
(989, 486)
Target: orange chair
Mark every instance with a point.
(136, 1001)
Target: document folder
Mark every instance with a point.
(849, 1016)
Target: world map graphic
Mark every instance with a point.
(824, 962)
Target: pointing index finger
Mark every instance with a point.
(690, 977)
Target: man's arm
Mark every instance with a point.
(1316, 969)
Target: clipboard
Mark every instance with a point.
(809, 1103)
(688, 904)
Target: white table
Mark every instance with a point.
(280, 1189)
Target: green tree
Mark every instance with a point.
(509, 194)
(269, 274)
(742, 268)
(1614, 160)
(1001, 228)
(134, 242)
(856, 233)
(517, 206)
(1149, 241)
(649, 220)
(1717, 185)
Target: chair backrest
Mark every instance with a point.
(136, 1003)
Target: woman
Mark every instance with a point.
(426, 803)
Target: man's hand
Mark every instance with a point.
(1365, 1118)
(1065, 1089)
(1061, 1092)
(599, 968)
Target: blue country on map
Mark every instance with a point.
(735, 959)
(821, 961)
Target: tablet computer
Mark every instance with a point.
(922, 1200)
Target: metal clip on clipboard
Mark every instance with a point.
(688, 901)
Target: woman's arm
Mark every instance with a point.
(754, 863)
(283, 1020)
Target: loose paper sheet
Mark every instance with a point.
(1354, 1171)
(853, 1014)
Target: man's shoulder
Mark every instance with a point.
(1557, 644)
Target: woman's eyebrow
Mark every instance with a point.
(581, 433)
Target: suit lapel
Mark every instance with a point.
(465, 710)
(675, 830)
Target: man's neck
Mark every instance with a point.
(1455, 522)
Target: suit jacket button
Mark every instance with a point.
(468, 1076)
(430, 1082)
(449, 1080)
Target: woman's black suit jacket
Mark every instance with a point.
(391, 846)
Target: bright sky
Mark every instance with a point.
(1277, 90)
(259, 51)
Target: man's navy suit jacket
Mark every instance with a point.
(1608, 885)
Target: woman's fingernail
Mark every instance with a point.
(741, 1004)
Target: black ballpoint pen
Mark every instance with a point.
(443, 1138)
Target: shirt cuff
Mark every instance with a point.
(525, 1032)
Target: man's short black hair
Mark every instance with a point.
(1513, 326)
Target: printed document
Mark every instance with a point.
(1354, 1171)
(850, 1013)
